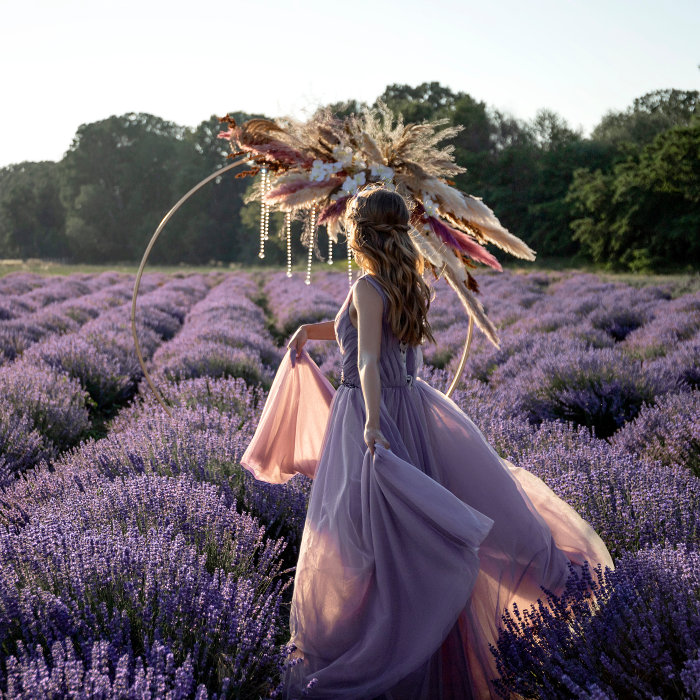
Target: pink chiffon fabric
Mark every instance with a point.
(289, 435)
(408, 559)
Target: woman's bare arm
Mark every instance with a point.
(369, 308)
(312, 331)
(320, 331)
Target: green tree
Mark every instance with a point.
(215, 223)
(559, 152)
(522, 169)
(621, 197)
(32, 217)
(117, 184)
(208, 226)
(645, 215)
(425, 101)
(648, 116)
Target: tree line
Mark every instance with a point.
(626, 197)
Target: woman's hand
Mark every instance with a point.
(299, 339)
(373, 436)
(325, 330)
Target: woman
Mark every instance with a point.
(418, 535)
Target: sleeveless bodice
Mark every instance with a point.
(398, 363)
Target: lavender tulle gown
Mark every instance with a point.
(408, 559)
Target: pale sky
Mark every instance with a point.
(68, 62)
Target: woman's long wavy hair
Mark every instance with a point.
(378, 235)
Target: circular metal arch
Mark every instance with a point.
(463, 359)
(161, 226)
(152, 242)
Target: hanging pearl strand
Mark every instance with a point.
(267, 210)
(330, 245)
(264, 214)
(347, 238)
(312, 240)
(288, 224)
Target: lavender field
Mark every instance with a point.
(139, 560)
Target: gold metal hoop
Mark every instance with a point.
(463, 359)
(161, 226)
(165, 220)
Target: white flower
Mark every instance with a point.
(321, 171)
(383, 172)
(431, 207)
(348, 160)
(351, 184)
(344, 156)
(358, 163)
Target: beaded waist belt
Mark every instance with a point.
(350, 385)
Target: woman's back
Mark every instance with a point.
(398, 363)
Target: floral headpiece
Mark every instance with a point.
(312, 169)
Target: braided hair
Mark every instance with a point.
(378, 235)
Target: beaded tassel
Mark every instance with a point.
(264, 213)
(288, 224)
(312, 240)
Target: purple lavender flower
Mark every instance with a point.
(21, 445)
(96, 371)
(683, 364)
(668, 432)
(117, 568)
(124, 561)
(202, 443)
(209, 359)
(225, 335)
(596, 388)
(99, 675)
(638, 637)
(292, 302)
(52, 401)
(630, 502)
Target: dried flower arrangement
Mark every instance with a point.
(311, 170)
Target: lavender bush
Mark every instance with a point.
(164, 504)
(149, 561)
(630, 503)
(668, 432)
(600, 389)
(201, 443)
(229, 395)
(54, 403)
(94, 346)
(31, 676)
(96, 371)
(293, 302)
(683, 364)
(21, 444)
(66, 316)
(224, 336)
(639, 639)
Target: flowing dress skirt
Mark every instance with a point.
(408, 559)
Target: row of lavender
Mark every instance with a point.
(162, 643)
(136, 565)
(71, 364)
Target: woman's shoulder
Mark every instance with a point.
(369, 282)
(372, 281)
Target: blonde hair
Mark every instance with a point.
(378, 226)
